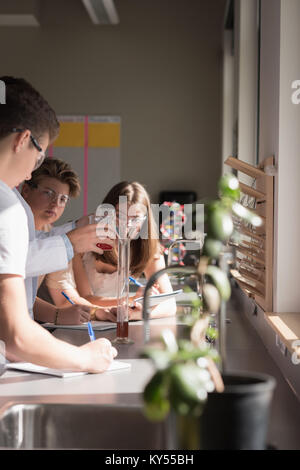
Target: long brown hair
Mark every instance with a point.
(142, 250)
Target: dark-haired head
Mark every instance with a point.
(26, 109)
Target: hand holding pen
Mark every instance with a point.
(154, 289)
(140, 292)
(99, 352)
(72, 315)
(90, 328)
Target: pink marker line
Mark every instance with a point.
(86, 165)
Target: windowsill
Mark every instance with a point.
(287, 326)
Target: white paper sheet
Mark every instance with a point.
(33, 368)
(158, 298)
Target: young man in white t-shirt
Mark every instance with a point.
(27, 126)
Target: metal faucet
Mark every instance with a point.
(175, 269)
(188, 270)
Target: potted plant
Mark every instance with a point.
(206, 408)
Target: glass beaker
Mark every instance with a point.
(128, 228)
(123, 291)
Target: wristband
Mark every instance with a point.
(93, 313)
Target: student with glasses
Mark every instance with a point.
(47, 193)
(95, 276)
(27, 116)
(41, 156)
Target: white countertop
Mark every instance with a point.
(131, 380)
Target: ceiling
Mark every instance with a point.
(29, 12)
(90, 13)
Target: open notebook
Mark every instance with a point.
(158, 298)
(97, 326)
(33, 368)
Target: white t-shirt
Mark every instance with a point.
(13, 233)
(102, 284)
(44, 255)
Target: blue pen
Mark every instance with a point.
(90, 328)
(68, 298)
(91, 332)
(137, 283)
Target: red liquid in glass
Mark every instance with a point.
(122, 329)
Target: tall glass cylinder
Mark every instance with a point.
(123, 275)
(123, 290)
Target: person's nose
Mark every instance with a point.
(54, 201)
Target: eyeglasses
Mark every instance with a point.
(50, 195)
(130, 219)
(35, 143)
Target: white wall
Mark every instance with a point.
(245, 56)
(159, 70)
(228, 98)
(279, 135)
(288, 248)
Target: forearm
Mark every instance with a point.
(37, 345)
(60, 301)
(164, 309)
(26, 340)
(102, 301)
(43, 311)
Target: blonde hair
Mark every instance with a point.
(142, 250)
(60, 170)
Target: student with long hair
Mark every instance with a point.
(96, 275)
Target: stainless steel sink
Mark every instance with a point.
(72, 426)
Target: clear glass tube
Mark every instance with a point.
(124, 237)
(123, 290)
(127, 229)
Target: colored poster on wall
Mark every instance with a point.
(91, 144)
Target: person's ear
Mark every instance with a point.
(21, 140)
(25, 190)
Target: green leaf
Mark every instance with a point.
(185, 345)
(160, 357)
(191, 355)
(157, 411)
(220, 280)
(212, 333)
(229, 187)
(220, 224)
(169, 340)
(180, 405)
(211, 298)
(212, 247)
(156, 403)
(187, 383)
(196, 303)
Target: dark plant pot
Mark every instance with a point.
(236, 419)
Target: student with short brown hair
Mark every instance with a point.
(60, 170)
(25, 134)
(47, 193)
